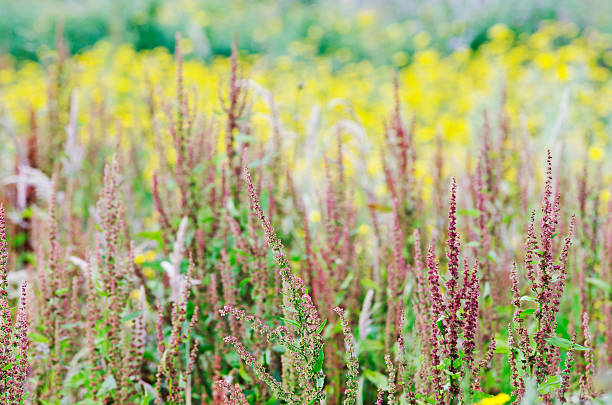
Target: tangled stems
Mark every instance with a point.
(305, 348)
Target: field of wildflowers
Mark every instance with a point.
(257, 229)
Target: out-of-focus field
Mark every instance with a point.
(554, 87)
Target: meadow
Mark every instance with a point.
(307, 229)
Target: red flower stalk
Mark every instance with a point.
(531, 245)
(484, 233)
(586, 380)
(163, 216)
(379, 397)
(433, 273)
(279, 334)
(260, 372)
(308, 272)
(454, 299)
(391, 400)
(237, 396)
(169, 367)
(422, 310)
(14, 365)
(3, 257)
(229, 287)
(606, 352)
(547, 278)
(351, 386)
(453, 318)
(395, 275)
(92, 319)
(234, 108)
(439, 180)
(565, 378)
(470, 322)
(518, 384)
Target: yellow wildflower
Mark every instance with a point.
(363, 229)
(315, 216)
(499, 399)
(148, 272)
(596, 153)
(135, 294)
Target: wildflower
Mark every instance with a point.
(14, 356)
(498, 399)
(596, 153)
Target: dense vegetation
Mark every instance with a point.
(175, 232)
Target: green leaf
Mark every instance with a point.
(37, 337)
(527, 312)
(551, 383)
(565, 344)
(367, 283)
(76, 381)
(501, 347)
(376, 378)
(152, 235)
(347, 281)
(528, 298)
(146, 399)
(440, 324)
(289, 321)
(320, 328)
(319, 363)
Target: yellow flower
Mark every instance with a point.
(596, 153)
(499, 32)
(315, 216)
(145, 257)
(140, 258)
(366, 17)
(604, 196)
(135, 294)
(545, 60)
(150, 256)
(363, 229)
(499, 399)
(563, 72)
(380, 190)
(148, 272)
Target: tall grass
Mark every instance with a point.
(233, 294)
